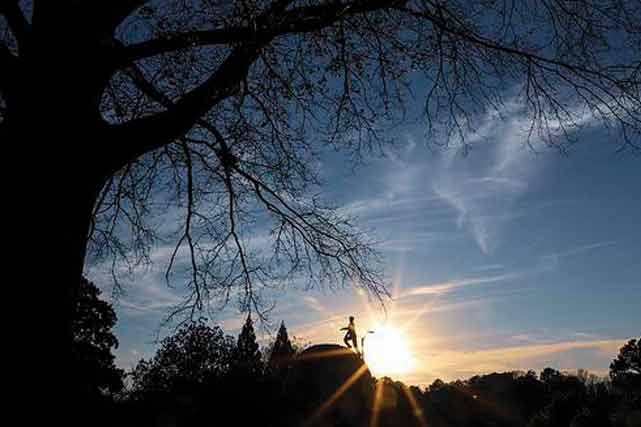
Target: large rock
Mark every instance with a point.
(331, 386)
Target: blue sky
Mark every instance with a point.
(509, 257)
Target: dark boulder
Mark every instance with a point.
(330, 386)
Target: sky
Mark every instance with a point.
(509, 257)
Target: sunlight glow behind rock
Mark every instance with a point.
(387, 352)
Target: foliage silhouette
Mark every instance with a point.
(247, 360)
(281, 351)
(550, 376)
(195, 354)
(625, 370)
(94, 341)
(95, 380)
(313, 394)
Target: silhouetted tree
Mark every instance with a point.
(508, 399)
(213, 106)
(625, 373)
(625, 370)
(436, 385)
(575, 400)
(598, 407)
(529, 394)
(562, 410)
(93, 340)
(247, 356)
(194, 355)
(551, 378)
(281, 351)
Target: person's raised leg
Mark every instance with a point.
(346, 341)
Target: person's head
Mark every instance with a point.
(351, 319)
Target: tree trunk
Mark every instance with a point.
(59, 239)
(54, 238)
(58, 144)
(53, 136)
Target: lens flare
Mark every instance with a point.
(387, 352)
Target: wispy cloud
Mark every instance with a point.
(441, 288)
(579, 250)
(386, 203)
(484, 199)
(488, 267)
(315, 304)
(515, 158)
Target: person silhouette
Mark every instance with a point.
(350, 335)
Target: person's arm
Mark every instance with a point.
(344, 329)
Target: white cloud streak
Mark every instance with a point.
(446, 287)
(485, 200)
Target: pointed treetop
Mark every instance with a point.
(282, 349)
(248, 356)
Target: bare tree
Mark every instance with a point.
(131, 108)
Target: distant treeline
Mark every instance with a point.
(200, 377)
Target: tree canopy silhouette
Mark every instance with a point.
(248, 359)
(628, 361)
(218, 108)
(281, 350)
(625, 369)
(93, 340)
(328, 385)
(195, 354)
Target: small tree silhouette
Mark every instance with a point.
(628, 360)
(93, 340)
(247, 355)
(550, 376)
(282, 350)
(625, 370)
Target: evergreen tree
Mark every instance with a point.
(248, 359)
(282, 349)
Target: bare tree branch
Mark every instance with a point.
(131, 53)
(271, 24)
(224, 135)
(17, 22)
(146, 134)
(474, 38)
(162, 128)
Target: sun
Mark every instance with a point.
(387, 352)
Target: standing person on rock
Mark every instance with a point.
(350, 335)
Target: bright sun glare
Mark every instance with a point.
(387, 352)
